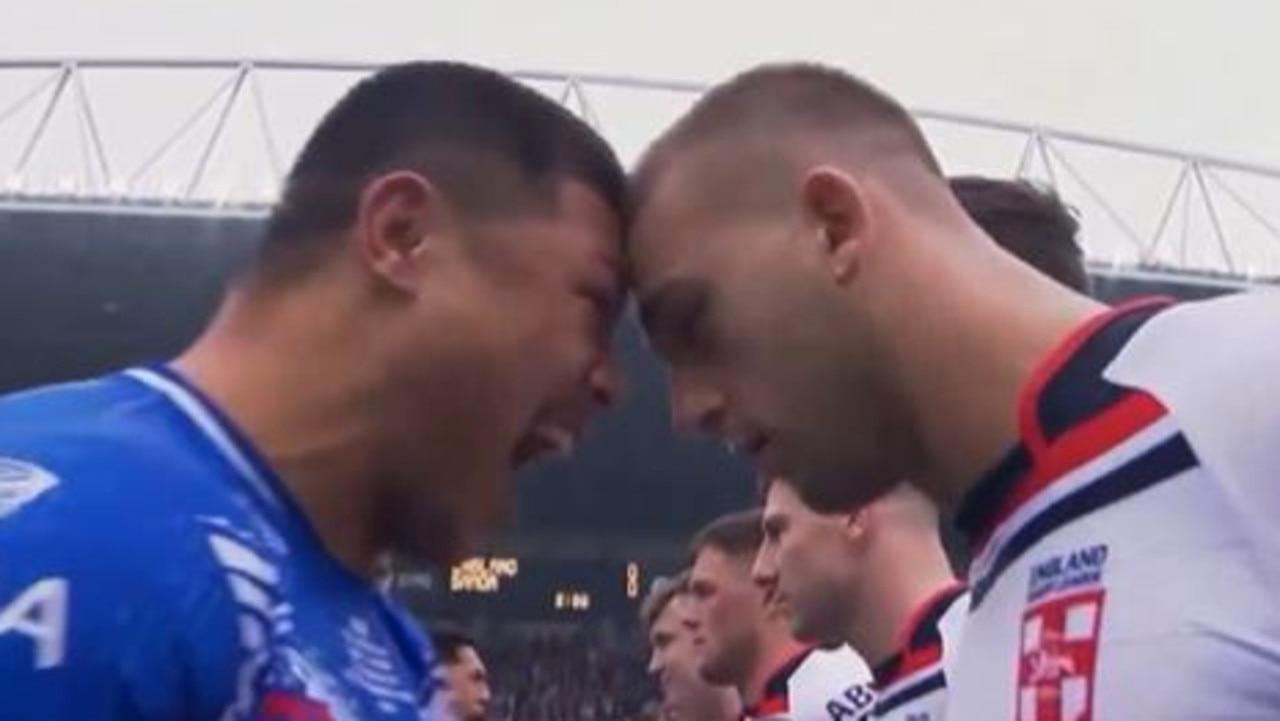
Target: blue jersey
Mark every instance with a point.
(152, 567)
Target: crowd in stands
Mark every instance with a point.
(583, 674)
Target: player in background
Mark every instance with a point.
(464, 677)
(431, 307)
(673, 658)
(745, 638)
(824, 302)
(878, 576)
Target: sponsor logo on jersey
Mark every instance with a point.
(22, 483)
(1060, 629)
(855, 703)
(38, 614)
(1062, 573)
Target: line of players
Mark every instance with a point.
(789, 613)
(433, 306)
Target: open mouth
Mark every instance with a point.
(542, 443)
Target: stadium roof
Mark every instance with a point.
(215, 136)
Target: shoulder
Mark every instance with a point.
(1209, 364)
(831, 684)
(98, 491)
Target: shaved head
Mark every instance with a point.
(750, 138)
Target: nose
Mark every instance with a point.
(606, 381)
(696, 406)
(764, 571)
(655, 664)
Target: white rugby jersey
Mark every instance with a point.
(1127, 551)
(911, 685)
(817, 685)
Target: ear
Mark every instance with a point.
(398, 216)
(836, 204)
(857, 524)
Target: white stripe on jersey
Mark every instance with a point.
(195, 410)
(1116, 457)
(238, 557)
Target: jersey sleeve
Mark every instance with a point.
(831, 685)
(99, 619)
(1215, 366)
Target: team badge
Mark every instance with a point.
(1060, 630)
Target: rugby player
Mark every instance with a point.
(878, 576)
(431, 307)
(824, 302)
(745, 637)
(673, 657)
(464, 677)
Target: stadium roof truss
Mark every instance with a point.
(216, 137)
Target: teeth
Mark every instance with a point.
(560, 440)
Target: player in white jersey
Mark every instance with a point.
(746, 642)
(824, 302)
(877, 578)
(672, 629)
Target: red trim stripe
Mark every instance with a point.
(1028, 417)
(1077, 446)
(922, 609)
(910, 662)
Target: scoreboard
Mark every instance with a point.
(532, 589)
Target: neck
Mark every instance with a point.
(285, 392)
(888, 607)
(987, 322)
(777, 650)
(720, 704)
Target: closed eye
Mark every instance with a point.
(674, 316)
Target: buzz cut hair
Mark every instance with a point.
(490, 144)
(775, 105)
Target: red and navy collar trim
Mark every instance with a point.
(920, 644)
(1066, 411)
(775, 699)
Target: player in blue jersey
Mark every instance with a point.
(431, 307)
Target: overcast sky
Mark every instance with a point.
(1195, 76)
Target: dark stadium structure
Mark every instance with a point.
(86, 292)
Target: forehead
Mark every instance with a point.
(716, 566)
(579, 226)
(672, 619)
(665, 228)
(782, 498)
(467, 659)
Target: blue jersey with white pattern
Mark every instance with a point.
(151, 567)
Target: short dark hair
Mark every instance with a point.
(801, 100)
(736, 534)
(489, 143)
(449, 641)
(661, 595)
(1029, 221)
